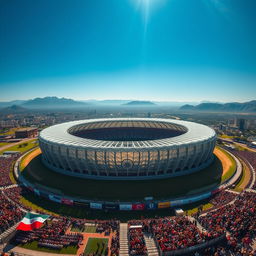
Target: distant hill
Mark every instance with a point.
(140, 103)
(52, 102)
(218, 107)
(13, 109)
(5, 104)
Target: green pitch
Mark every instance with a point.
(97, 246)
(85, 229)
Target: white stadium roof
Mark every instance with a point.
(58, 134)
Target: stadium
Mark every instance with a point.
(76, 203)
(127, 148)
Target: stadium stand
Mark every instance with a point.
(9, 214)
(136, 241)
(52, 235)
(5, 166)
(238, 219)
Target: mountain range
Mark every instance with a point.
(64, 103)
(139, 103)
(219, 107)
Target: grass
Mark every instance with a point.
(96, 246)
(4, 143)
(240, 148)
(231, 169)
(85, 229)
(22, 147)
(224, 136)
(193, 210)
(38, 174)
(34, 246)
(11, 174)
(9, 132)
(239, 187)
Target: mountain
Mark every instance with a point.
(5, 104)
(13, 109)
(226, 107)
(52, 102)
(106, 102)
(140, 103)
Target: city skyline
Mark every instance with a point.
(135, 49)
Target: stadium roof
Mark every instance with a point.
(59, 134)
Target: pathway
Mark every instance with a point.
(124, 249)
(151, 245)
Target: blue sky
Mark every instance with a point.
(177, 50)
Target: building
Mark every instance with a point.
(127, 148)
(26, 133)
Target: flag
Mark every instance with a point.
(32, 221)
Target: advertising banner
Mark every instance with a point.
(125, 207)
(36, 191)
(95, 205)
(44, 194)
(138, 207)
(111, 206)
(215, 191)
(66, 201)
(176, 202)
(151, 206)
(82, 204)
(162, 205)
(55, 198)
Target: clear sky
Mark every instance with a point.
(177, 50)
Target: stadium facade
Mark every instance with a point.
(127, 148)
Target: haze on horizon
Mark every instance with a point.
(159, 50)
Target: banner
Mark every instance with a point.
(151, 205)
(82, 204)
(110, 206)
(162, 205)
(32, 221)
(138, 207)
(36, 191)
(215, 191)
(95, 206)
(176, 202)
(125, 207)
(44, 194)
(55, 198)
(66, 201)
(196, 198)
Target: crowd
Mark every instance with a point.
(136, 241)
(251, 158)
(9, 214)
(5, 167)
(221, 198)
(52, 235)
(239, 219)
(178, 233)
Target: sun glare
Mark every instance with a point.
(146, 7)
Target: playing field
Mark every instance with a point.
(96, 246)
(40, 175)
(85, 229)
(34, 246)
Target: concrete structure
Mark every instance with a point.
(26, 133)
(127, 148)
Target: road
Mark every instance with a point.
(238, 144)
(5, 147)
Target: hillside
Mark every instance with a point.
(226, 107)
(140, 103)
(52, 102)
